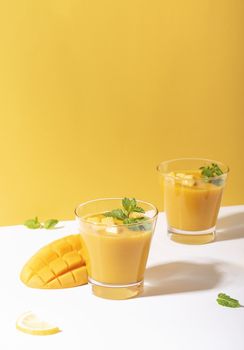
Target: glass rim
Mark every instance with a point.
(114, 225)
(225, 172)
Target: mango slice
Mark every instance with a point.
(59, 264)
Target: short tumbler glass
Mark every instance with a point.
(192, 200)
(116, 255)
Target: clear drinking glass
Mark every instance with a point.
(192, 199)
(116, 255)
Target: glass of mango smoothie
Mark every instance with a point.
(192, 191)
(116, 234)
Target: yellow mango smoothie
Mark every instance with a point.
(190, 203)
(117, 244)
(192, 191)
(118, 255)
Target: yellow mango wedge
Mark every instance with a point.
(59, 264)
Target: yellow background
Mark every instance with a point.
(94, 94)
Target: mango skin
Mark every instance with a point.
(59, 264)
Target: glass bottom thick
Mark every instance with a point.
(192, 237)
(116, 291)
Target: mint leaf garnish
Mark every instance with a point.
(116, 214)
(33, 223)
(50, 223)
(129, 207)
(138, 210)
(226, 300)
(211, 171)
(134, 220)
(208, 172)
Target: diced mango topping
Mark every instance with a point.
(184, 179)
(136, 215)
(107, 221)
(188, 180)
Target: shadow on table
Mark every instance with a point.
(180, 277)
(230, 227)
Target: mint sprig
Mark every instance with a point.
(134, 220)
(35, 223)
(116, 214)
(226, 300)
(129, 206)
(211, 171)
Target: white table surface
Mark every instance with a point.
(178, 309)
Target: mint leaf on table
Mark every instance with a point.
(226, 300)
(50, 223)
(33, 223)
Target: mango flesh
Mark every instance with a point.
(59, 264)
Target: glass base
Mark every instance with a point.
(192, 237)
(116, 291)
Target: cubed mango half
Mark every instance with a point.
(60, 264)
